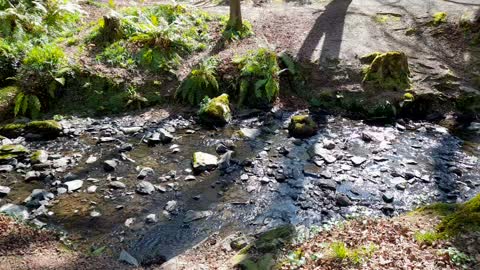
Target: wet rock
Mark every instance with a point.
(342, 200)
(302, 126)
(17, 211)
(39, 156)
(153, 139)
(221, 149)
(106, 140)
(165, 136)
(401, 186)
(117, 185)
(145, 187)
(6, 168)
(70, 177)
(224, 162)
(250, 133)
(216, 111)
(32, 175)
(239, 243)
(357, 161)
(196, 215)
(126, 257)
(367, 136)
(151, 218)
(73, 185)
(144, 172)
(171, 206)
(328, 144)
(12, 151)
(244, 177)
(110, 165)
(4, 191)
(398, 180)
(204, 162)
(61, 190)
(388, 197)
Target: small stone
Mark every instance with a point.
(91, 159)
(130, 130)
(61, 190)
(117, 185)
(144, 172)
(190, 178)
(388, 197)
(165, 136)
(73, 185)
(4, 191)
(17, 211)
(95, 214)
(126, 257)
(151, 218)
(126, 147)
(106, 140)
(171, 206)
(244, 177)
(357, 161)
(32, 175)
(145, 187)
(196, 215)
(203, 161)
(6, 168)
(250, 133)
(91, 189)
(328, 144)
(342, 200)
(110, 165)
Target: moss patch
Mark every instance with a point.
(215, 111)
(388, 71)
(302, 126)
(439, 18)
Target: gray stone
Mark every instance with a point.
(145, 187)
(126, 257)
(190, 178)
(398, 180)
(151, 218)
(130, 130)
(357, 161)
(203, 161)
(4, 191)
(342, 200)
(144, 172)
(61, 190)
(250, 133)
(91, 159)
(165, 136)
(117, 185)
(224, 162)
(6, 168)
(110, 165)
(92, 189)
(318, 150)
(328, 144)
(327, 184)
(388, 197)
(171, 206)
(32, 175)
(196, 215)
(73, 185)
(17, 211)
(95, 214)
(39, 157)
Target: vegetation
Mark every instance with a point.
(154, 37)
(439, 18)
(259, 72)
(340, 251)
(200, 83)
(231, 33)
(388, 71)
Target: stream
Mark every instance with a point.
(268, 179)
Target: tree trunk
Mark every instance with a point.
(235, 15)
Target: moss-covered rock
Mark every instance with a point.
(9, 152)
(39, 156)
(216, 111)
(439, 18)
(388, 71)
(7, 100)
(302, 126)
(47, 129)
(204, 162)
(368, 58)
(12, 130)
(275, 239)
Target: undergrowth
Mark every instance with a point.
(200, 83)
(231, 34)
(154, 37)
(259, 77)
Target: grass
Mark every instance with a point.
(340, 251)
(428, 237)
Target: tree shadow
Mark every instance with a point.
(329, 26)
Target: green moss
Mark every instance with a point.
(411, 31)
(388, 71)
(439, 18)
(428, 238)
(408, 97)
(341, 252)
(275, 239)
(215, 111)
(12, 130)
(13, 149)
(46, 128)
(302, 126)
(368, 58)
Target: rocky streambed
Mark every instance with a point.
(128, 182)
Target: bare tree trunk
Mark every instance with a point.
(235, 15)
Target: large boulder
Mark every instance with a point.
(302, 126)
(216, 111)
(45, 129)
(204, 162)
(387, 71)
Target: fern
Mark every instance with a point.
(27, 103)
(201, 82)
(258, 76)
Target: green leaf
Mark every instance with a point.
(18, 103)
(60, 80)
